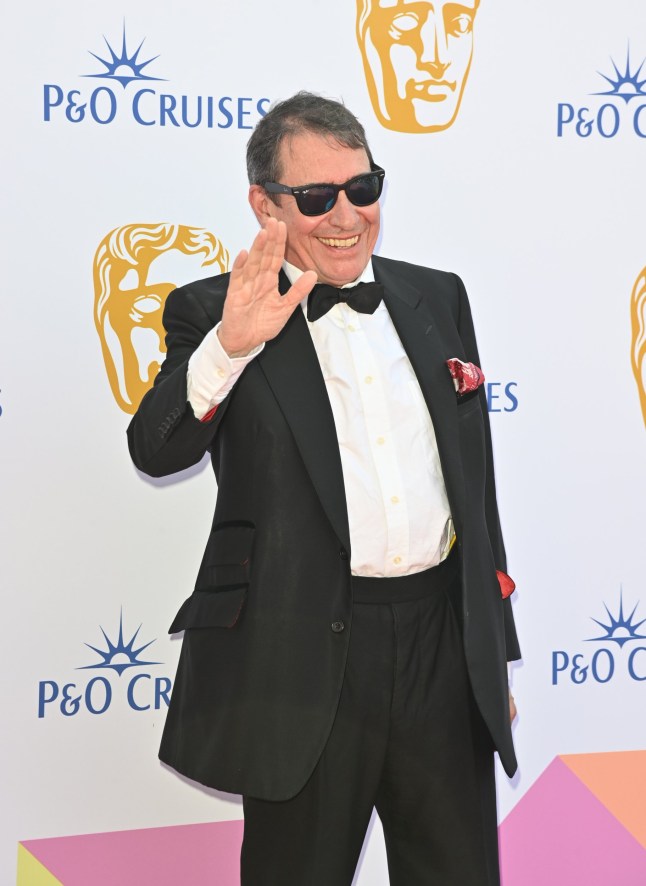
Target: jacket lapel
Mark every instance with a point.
(422, 339)
(292, 369)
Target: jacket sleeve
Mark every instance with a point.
(467, 334)
(164, 436)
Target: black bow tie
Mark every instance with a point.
(364, 298)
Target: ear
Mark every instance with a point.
(262, 207)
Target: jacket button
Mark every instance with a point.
(338, 626)
(343, 554)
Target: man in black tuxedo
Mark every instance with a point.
(345, 645)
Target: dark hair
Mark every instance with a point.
(303, 112)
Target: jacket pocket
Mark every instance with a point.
(207, 610)
(227, 559)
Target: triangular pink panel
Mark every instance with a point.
(189, 854)
(559, 834)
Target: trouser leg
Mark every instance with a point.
(436, 798)
(315, 839)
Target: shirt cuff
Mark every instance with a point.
(212, 373)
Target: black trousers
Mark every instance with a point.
(407, 740)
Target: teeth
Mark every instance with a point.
(341, 244)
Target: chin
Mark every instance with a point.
(344, 272)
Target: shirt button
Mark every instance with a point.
(394, 499)
(338, 626)
(381, 441)
(350, 327)
(221, 373)
(397, 560)
(368, 379)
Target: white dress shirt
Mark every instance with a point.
(398, 511)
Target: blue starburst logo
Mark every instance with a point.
(119, 655)
(123, 66)
(626, 85)
(620, 629)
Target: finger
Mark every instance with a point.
(301, 288)
(274, 253)
(238, 264)
(281, 239)
(512, 708)
(268, 254)
(236, 280)
(252, 266)
(298, 291)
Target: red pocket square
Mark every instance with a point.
(507, 584)
(466, 376)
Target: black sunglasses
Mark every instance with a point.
(362, 190)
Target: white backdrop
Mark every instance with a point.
(547, 231)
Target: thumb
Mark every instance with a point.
(301, 288)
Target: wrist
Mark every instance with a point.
(231, 350)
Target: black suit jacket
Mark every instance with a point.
(261, 668)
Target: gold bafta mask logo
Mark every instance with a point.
(638, 324)
(135, 269)
(416, 57)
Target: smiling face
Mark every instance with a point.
(337, 245)
(416, 58)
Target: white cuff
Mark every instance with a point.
(212, 373)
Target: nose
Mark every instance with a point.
(435, 50)
(343, 214)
